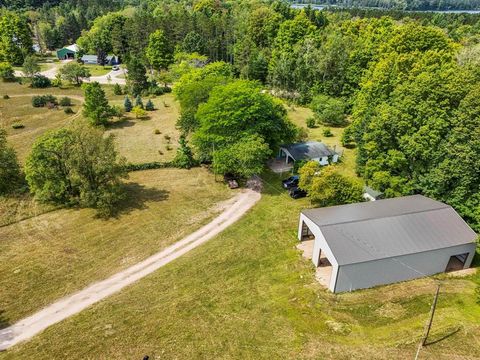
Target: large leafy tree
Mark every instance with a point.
(239, 110)
(76, 166)
(10, 173)
(15, 37)
(96, 107)
(325, 186)
(74, 73)
(159, 50)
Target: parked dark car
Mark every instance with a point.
(291, 182)
(297, 193)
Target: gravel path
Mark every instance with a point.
(73, 304)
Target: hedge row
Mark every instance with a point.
(149, 166)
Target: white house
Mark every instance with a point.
(380, 242)
(311, 150)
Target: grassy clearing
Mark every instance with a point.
(54, 254)
(248, 294)
(19, 110)
(17, 208)
(298, 115)
(98, 70)
(136, 138)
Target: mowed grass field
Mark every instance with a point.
(136, 138)
(249, 294)
(48, 256)
(37, 121)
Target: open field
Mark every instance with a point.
(19, 110)
(52, 255)
(298, 115)
(136, 138)
(249, 294)
(22, 206)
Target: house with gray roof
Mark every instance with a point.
(93, 60)
(311, 150)
(380, 242)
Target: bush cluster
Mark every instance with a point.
(40, 82)
(43, 100)
(65, 101)
(148, 166)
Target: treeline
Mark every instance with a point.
(419, 5)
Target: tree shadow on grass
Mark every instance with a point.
(137, 197)
(120, 124)
(3, 320)
(446, 336)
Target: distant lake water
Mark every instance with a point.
(322, 7)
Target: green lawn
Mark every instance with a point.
(136, 138)
(48, 256)
(98, 70)
(248, 294)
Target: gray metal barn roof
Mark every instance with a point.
(308, 150)
(388, 228)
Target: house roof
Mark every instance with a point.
(388, 228)
(95, 58)
(308, 150)
(73, 47)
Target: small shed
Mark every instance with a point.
(310, 150)
(67, 52)
(371, 194)
(380, 242)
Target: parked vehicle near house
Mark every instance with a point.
(297, 193)
(291, 182)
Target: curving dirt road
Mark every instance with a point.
(68, 306)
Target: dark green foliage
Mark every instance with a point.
(40, 81)
(74, 73)
(7, 74)
(76, 166)
(184, 158)
(149, 106)
(68, 111)
(328, 110)
(139, 102)
(240, 110)
(10, 173)
(43, 100)
(311, 123)
(65, 101)
(127, 104)
(18, 126)
(96, 107)
(136, 79)
(147, 166)
(6, 97)
(327, 132)
(117, 89)
(15, 37)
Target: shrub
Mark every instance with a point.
(18, 126)
(42, 100)
(167, 137)
(127, 104)
(147, 166)
(68, 110)
(157, 132)
(139, 112)
(6, 72)
(329, 110)
(311, 122)
(6, 97)
(40, 82)
(149, 106)
(327, 132)
(117, 89)
(156, 90)
(65, 101)
(169, 147)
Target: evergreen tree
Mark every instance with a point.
(184, 158)
(127, 104)
(117, 89)
(96, 107)
(139, 102)
(149, 106)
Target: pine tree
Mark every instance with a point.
(127, 104)
(96, 107)
(139, 102)
(117, 89)
(149, 106)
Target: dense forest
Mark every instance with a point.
(407, 87)
(417, 5)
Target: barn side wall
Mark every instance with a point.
(406, 267)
